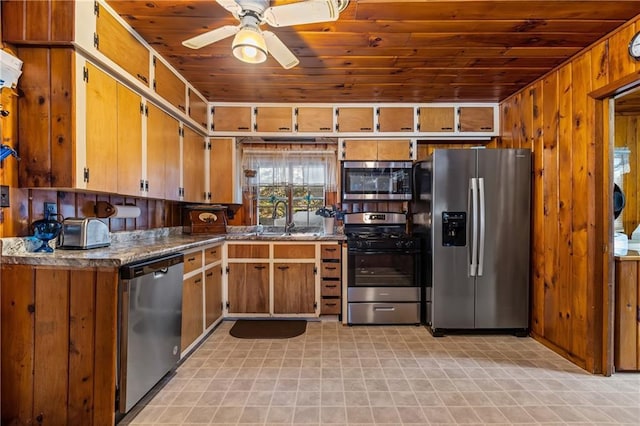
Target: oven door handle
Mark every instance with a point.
(384, 308)
(383, 252)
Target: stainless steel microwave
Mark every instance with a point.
(376, 180)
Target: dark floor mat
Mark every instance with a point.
(268, 329)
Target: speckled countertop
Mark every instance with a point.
(127, 247)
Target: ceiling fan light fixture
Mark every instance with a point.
(249, 45)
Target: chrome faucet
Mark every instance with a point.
(288, 208)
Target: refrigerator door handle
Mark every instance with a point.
(482, 226)
(473, 185)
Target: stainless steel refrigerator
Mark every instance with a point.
(473, 208)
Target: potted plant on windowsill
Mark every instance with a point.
(328, 218)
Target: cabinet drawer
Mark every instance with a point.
(330, 270)
(330, 306)
(248, 251)
(330, 288)
(329, 251)
(212, 254)
(192, 261)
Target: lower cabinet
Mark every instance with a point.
(294, 288)
(627, 315)
(201, 293)
(248, 288)
(272, 278)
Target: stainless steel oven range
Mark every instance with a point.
(383, 285)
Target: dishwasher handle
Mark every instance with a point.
(156, 266)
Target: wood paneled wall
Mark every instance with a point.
(561, 120)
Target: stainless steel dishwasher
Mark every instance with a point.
(150, 320)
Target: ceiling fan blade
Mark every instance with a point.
(231, 6)
(279, 51)
(303, 12)
(210, 37)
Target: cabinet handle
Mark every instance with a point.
(328, 129)
(365, 128)
(405, 128)
(143, 78)
(330, 304)
(243, 128)
(282, 129)
(182, 108)
(330, 249)
(191, 259)
(259, 267)
(210, 274)
(332, 268)
(213, 252)
(486, 128)
(446, 128)
(198, 281)
(283, 268)
(330, 286)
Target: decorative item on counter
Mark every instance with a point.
(329, 216)
(45, 230)
(205, 219)
(104, 209)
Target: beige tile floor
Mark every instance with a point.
(386, 375)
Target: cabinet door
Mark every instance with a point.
(231, 119)
(221, 170)
(160, 130)
(168, 85)
(360, 149)
(389, 150)
(273, 119)
(193, 166)
(213, 294)
(113, 40)
(102, 131)
(129, 141)
(437, 119)
(192, 310)
(248, 288)
(476, 119)
(198, 108)
(293, 288)
(172, 163)
(314, 119)
(395, 119)
(355, 120)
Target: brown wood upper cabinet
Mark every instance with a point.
(475, 119)
(231, 119)
(273, 119)
(221, 170)
(112, 39)
(197, 108)
(314, 119)
(436, 119)
(377, 150)
(355, 119)
(193, 146)
(168, 85)
(395, 119)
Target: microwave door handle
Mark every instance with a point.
(473, 195)
(482, 226)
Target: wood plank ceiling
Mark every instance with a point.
(384, 50)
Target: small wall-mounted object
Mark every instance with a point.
(10, 70)
(6, 150)
(4, 196)
(111, 211)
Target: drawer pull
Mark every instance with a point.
(198, 281)
(259, 267)
(331, 286)
(210, 274)
(330, 304)
(331, 268)
(447, 128)
(191, 259)
(384, 308)
(330, 249)
(283, 268)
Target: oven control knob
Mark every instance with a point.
(409, 244)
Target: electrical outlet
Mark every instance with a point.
(50, 208)
(4, 196)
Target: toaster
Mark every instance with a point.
(83, 233)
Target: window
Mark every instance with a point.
(270, 175)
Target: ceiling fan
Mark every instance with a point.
(250, 43)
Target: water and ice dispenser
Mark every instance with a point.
(454, 229)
